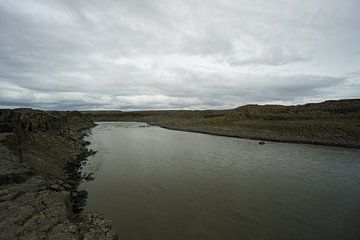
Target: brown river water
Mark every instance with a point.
(155, 183)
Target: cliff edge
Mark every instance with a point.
(40, 155)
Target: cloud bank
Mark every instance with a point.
(140, 54)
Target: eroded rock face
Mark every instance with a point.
(11, 170)
(28, 120)
(39, 156)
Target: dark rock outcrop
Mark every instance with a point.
(40, 153)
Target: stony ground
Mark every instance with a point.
(36, 203)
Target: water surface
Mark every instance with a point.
(161, 184)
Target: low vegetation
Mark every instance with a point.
(328, 123)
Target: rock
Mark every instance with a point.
(55, 187)
(82, 193)
(60, 182)
(89, 177)
(97, 227)
(261, 143)
(11, 169)
(38, 203)
(65, 230)
(67, 186)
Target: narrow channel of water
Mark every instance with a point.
(161, 184)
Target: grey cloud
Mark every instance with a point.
(176, 54)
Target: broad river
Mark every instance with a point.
(161, 184)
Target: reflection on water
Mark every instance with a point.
(160, 184)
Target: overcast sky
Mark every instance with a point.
(177, 54)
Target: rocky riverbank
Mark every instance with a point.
(40, 155)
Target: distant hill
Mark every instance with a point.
(328, 109)
(335, 122)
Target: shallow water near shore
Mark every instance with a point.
(156, 183)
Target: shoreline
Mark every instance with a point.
(41, 154)
(260, 138)
(329, 123)
(309, 142)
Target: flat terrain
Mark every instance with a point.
(328, 123)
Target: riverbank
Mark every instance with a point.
(40, 155)
(332, 123)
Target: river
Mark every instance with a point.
(159, 184)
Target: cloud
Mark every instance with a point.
(177, 54)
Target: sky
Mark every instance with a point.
(177, 54)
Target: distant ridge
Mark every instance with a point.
(333, 122)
